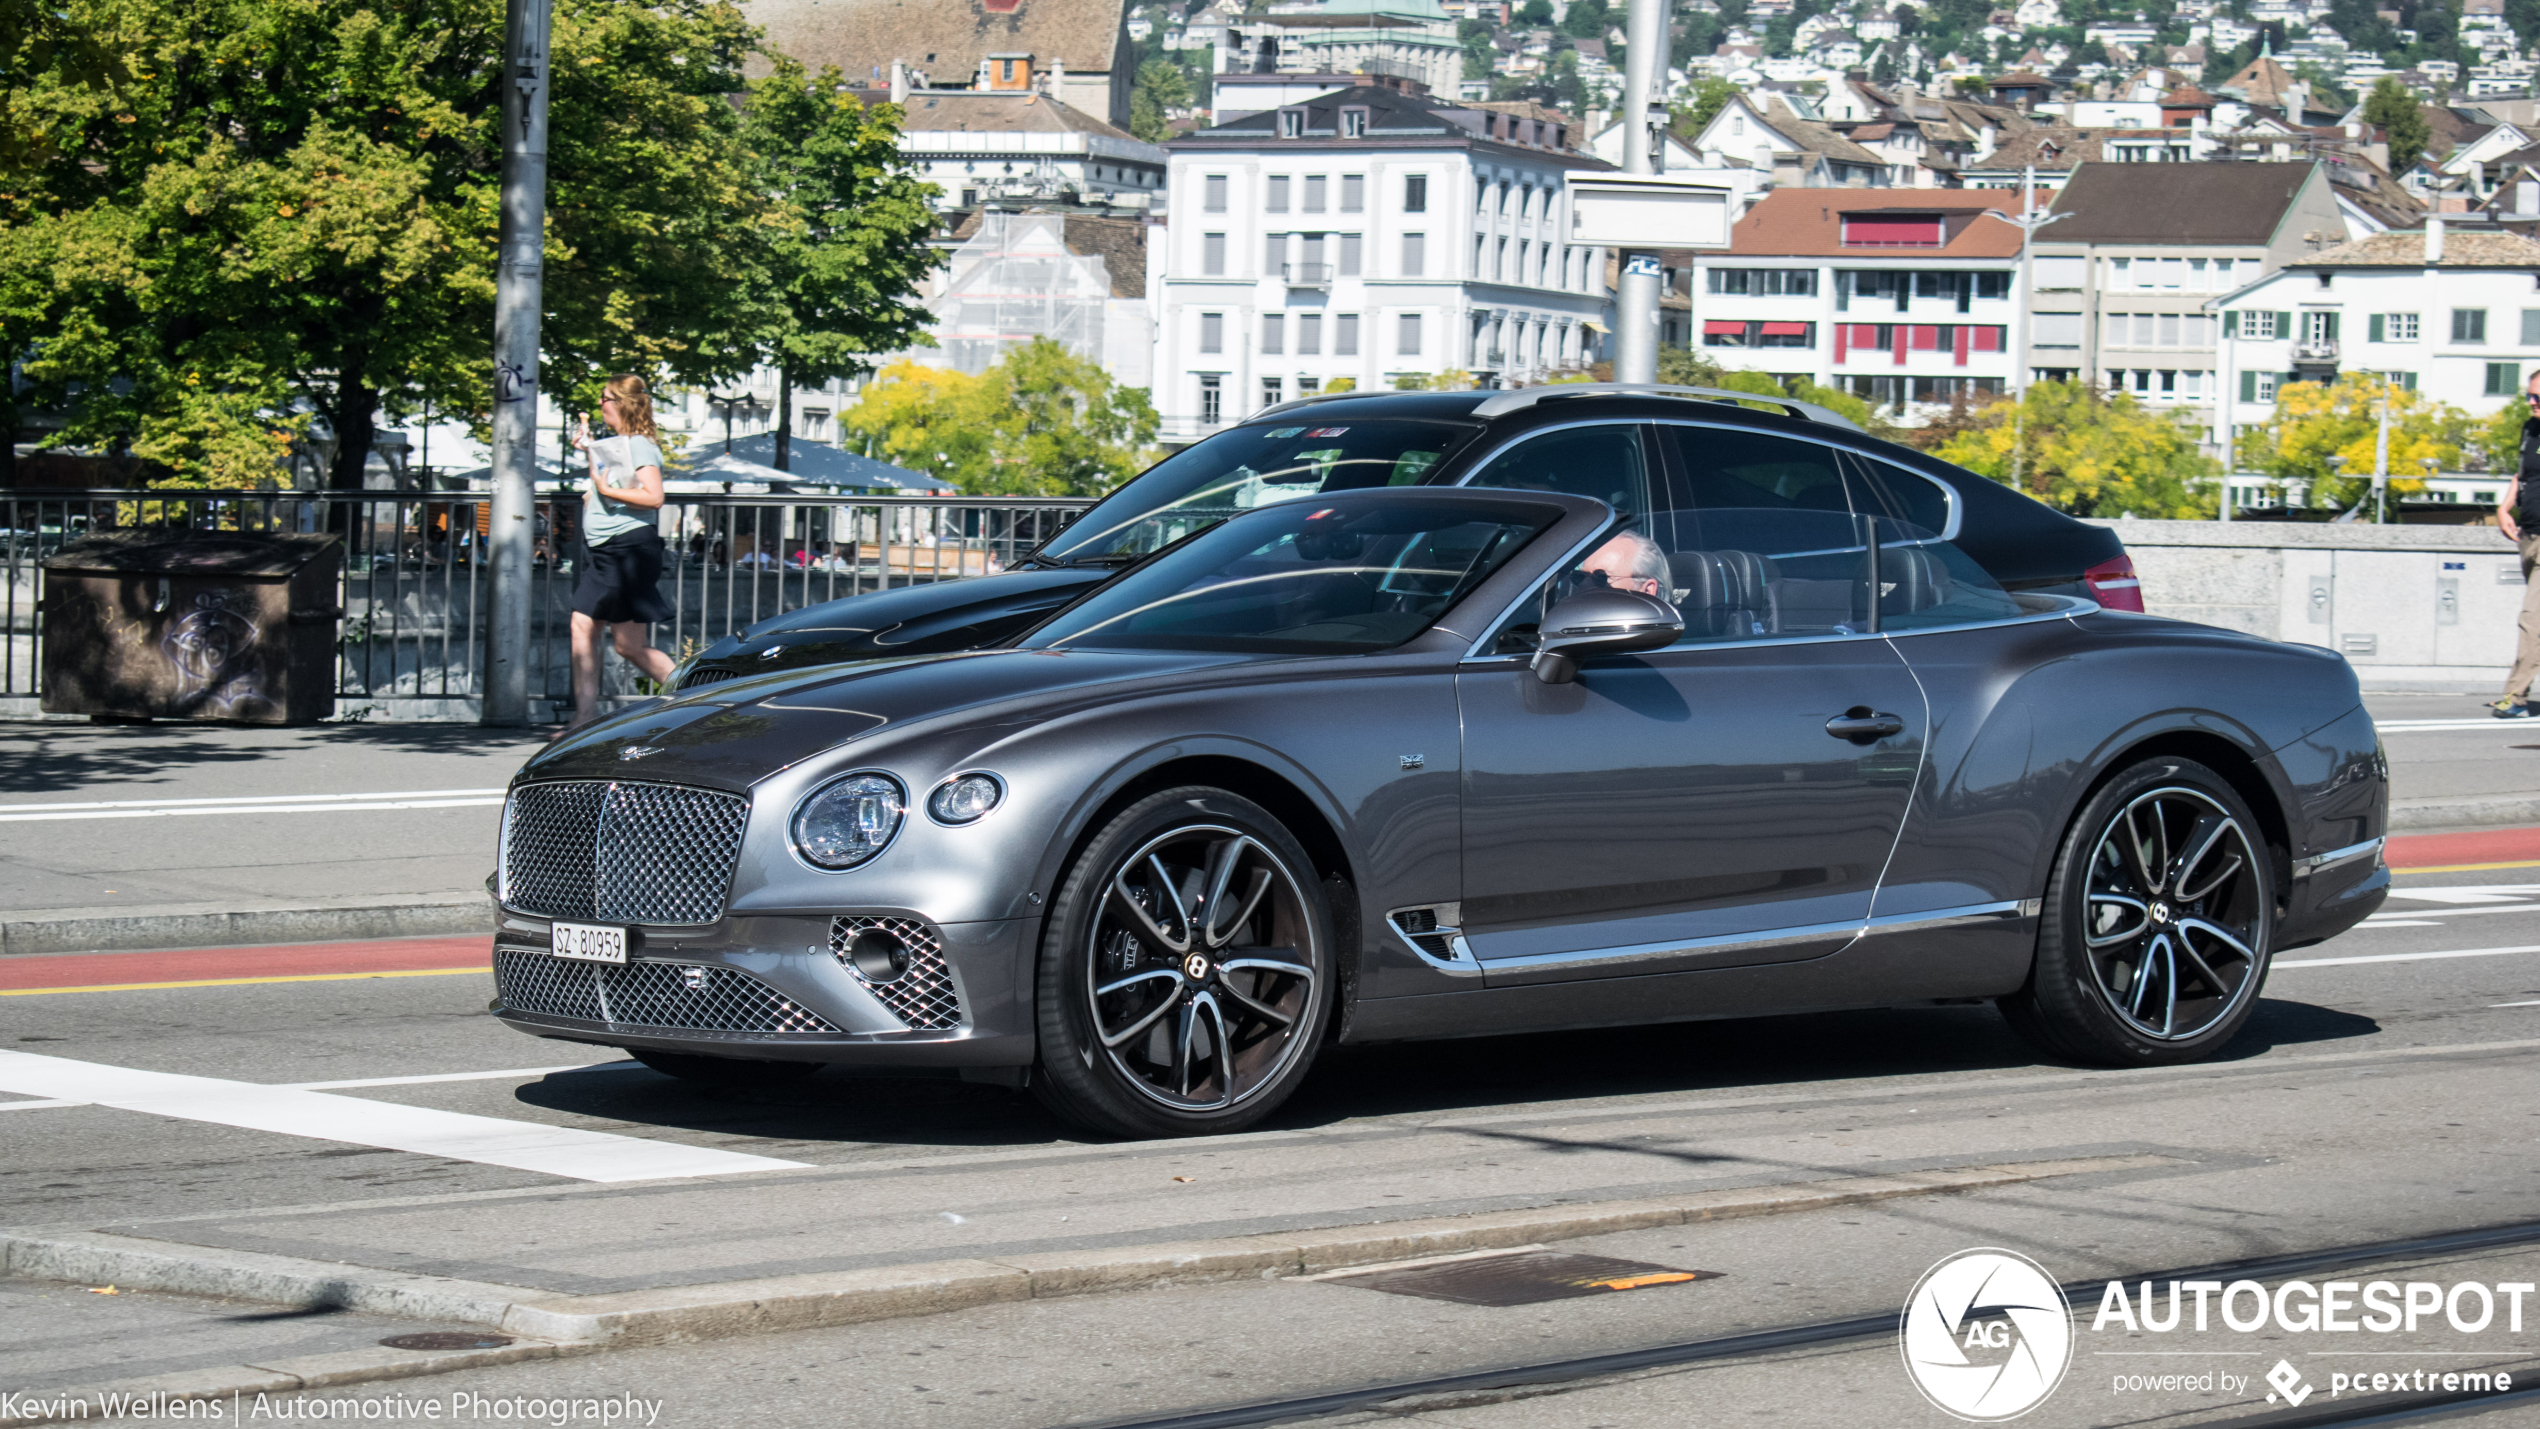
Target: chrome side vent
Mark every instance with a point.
(1435, 932)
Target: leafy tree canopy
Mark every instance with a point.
(1041, 422)
(1711, 94)
(2394, 111)
(2314, 422)
(1162, 86)
(221, 220)
(2089, 453)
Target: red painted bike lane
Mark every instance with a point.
(2478, 848)
(200, 967)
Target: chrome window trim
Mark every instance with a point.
(1656, 480)
(1957, 511)
(1973, 913)
(2305, 867)
(1475, 653)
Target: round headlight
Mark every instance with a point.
(847, 821)
(965, 798)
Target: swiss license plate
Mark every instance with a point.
(590, 944)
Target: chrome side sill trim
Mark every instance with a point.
(1449, 916)
(1852, 928)
(2305, 867)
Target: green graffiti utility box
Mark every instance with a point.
(197, 625)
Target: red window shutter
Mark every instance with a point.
(1842, 342)
(1911, 231)
(1904, 334)
(1785, 329)
(1926, 337)
(1988, 339)
(1966, 336)
(1717, 328)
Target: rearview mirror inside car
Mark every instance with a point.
(1602, 622)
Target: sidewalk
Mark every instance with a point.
(170, 835)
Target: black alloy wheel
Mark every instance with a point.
(1185, 971)
(2158, 920)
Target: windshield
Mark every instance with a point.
(1248, 467)
(1309, 579)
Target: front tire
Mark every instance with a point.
(1186, 971)
(2158, 921)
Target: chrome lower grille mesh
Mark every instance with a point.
(923, 995)
(621, 852)
(678, 997)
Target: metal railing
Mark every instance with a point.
(417, 591)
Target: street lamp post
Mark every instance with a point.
(518, 274)
(1636, 291)
(746, 403)
(2029, 222)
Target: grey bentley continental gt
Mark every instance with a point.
(1409, 762)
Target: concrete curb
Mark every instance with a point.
(2486, 811)
(550, 1325)
(217, 928)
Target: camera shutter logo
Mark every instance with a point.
(1986, 1335)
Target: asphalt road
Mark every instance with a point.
(2383, 1090)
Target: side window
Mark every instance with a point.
(1771, 542)
(1910, 495)
(1604, 461)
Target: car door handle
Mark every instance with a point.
(1861, 724)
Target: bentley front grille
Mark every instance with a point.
(621, 852)
(676, 997)
(901, 962)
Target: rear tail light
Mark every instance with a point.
(2114, 584)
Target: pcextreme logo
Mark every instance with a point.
(1986, 1336)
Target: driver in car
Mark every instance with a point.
(1633, 562)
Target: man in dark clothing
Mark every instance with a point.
(2518, 515)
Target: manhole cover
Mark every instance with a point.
(1522, 1278)
(446, 1340)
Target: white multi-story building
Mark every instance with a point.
(2122, 280)
(1898, 296)
(2455, 316)
(984, 148)
(1368, 234)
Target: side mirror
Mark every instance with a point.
(1602, 622)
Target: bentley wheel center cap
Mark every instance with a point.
(1195, 967)
(2160, 912)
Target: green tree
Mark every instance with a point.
(2394, 111)
(1479, 57)
(1535, 13)
(1041, 422)
(1711, 94)
(2090, 454)
(1162, 87)
(1586, 20)
(223, 218)
(2313, 422)
(847, 223)
(2499, 439)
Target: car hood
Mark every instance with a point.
(909, 620)
(734, 734)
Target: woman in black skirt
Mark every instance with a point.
(619, 588)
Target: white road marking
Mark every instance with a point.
(291, 1111)
(2492, 893)
(2514, 1004)
(2426, 913)
(2408, 957)
(259, 804)
(2398, 923)
(508, 1074)
(2423, 726)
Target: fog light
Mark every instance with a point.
(965, 798)
(877, 956)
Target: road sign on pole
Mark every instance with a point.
(519, 261)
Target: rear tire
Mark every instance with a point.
(2157, 925)
(731, 1074)
(1186, 971)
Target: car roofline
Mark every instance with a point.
(1496, 404)
(1502, 403)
